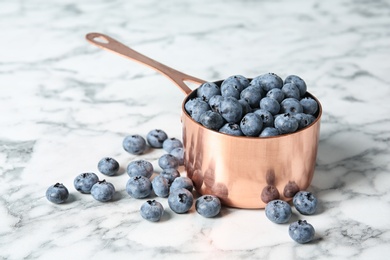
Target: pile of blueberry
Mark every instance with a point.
(262, 107)
(280, 212)
(168, 184)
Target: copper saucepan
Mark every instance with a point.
(244, 172)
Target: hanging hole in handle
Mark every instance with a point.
(101, 39)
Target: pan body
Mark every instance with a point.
(240, 169)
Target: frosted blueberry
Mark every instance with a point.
(179, 154)
(180, 200)
(171, 143)
(231, 87)
(211, 120)
(208, 206)
(231, 129)
(301, 231)
(168, 161)
(291, 105)
(139, 187)
(252, 95)
(270, 105)
(278, 211)
(251, 124)
(156, 138)
(198, 109)
(276, 94)
(266, 117)
(243, 80)
(300, 83)
(108, 166)
(140, 167)
(57, 193)
(170, 174)
(134, 144)
(303, 120)
(84, 182)
(286, 123)
(246, 108)
(268, 81)
(214, 102)
(207, 90)
(152, 210)
(103, 191)
(305, 202)
(309, 105)
(290, 90)
(160, 186)
(231, 110)
(182, 182)
(269, 131)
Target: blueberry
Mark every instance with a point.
(156, 138)
(268, 81)
(291, 105)
(252, 95)
(108, 166)
(160, 186)
(231, 87)
(246, 108)
(278, 211)
(231, 110)
(180, 200)
(139, 187)
(301, 231)
(270, 105)
(266, 117)
(305, 202)
(182, 182)
(140, 167)
(103, 191)
(84, 182)
(286, 123)
(208, 206)
(303, 120)
(290, 90)
(171, 143)
(251, 124)
(269, 131)
(211, 120)
(198, 108)
(244, 81)
(215, 102)
(170, 174)
(300, 83)
(134, 144)
(276, 94)
(309, 105)
(168, 161)
(152, 210)
(189, 105)
(57, 193)
(207, 90)
(179, 154)
(231, 129)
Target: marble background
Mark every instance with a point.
(65, 104)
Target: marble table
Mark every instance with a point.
(65, 104)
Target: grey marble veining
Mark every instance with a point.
(65, 104)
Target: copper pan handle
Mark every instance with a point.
(107, 43)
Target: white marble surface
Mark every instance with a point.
(64, 104)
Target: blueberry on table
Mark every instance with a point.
(208, 206)
(168, 161)
(84, 182)
(160, 186)
(251, 124)
(57, 193)
(171, 143)
(207, 90)
(152, 210)
(156, 138)
(286, 123)
(134, 144)
(179, 154)
(182, 182)
(139, 187)
(301, 231)
(300, 83)
(140, 167)
(278, 211)
(180, 200)
(103, 191)
(305, 202)
(108, 166)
